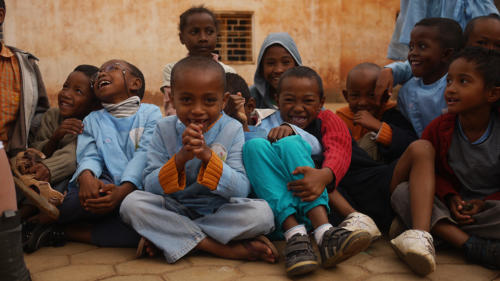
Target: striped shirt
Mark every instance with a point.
(10, 91)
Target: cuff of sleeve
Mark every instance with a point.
(384, 135)
(170, 179)
(209, 176)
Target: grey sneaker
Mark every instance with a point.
(339, 244)
(299, 255)
(359, 221)
(416, 248)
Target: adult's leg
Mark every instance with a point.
(12, 266)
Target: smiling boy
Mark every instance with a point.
(195, 182)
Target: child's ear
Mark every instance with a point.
(345, 93)
(322, 101)
(135, 84)
(2, 15)
(225, 97)
(494, 95)
(447, 54)
(181, 39)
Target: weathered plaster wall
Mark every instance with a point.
(332, 35)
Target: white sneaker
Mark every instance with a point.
(416, 249)
(358, 221)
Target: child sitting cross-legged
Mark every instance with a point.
(195, 182)
(282, 171)
(111, 156)
(466, 209)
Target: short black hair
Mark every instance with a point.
(235, 84)
(87, 69)
(487, 64)
(135, 71)
(196, 10)
(199, 62)
(450, 32)
(302, 72)
(2, 5)
(469, 28)
(364, 65)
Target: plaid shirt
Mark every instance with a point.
(10, 91)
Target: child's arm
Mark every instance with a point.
(236, 109)
(70, 126)
(337, 145)
(227, 178)
(135, 167)
(287, 129)
(396, 73)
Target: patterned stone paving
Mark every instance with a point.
(77, 262)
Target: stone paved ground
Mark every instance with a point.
(77, 262)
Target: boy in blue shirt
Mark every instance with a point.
(195, 182)
(111, 156)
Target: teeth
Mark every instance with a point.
(104, 83)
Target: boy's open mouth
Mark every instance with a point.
(103, 83)
(300, 121)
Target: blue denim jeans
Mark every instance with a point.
(176, 230)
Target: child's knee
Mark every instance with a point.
(421, 148)
(256, 145)
(132, 205)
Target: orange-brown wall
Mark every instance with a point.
(332, 35)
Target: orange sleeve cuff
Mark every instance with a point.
(385, 134)
(209, 176)
(170, 179)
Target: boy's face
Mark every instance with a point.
(109, 84)
(76, 98)
(486, 34)
(360, 93)
(275, 61)
(198, 96)
(199, 35)
(426, 56)
(465, 90)
(299, 101)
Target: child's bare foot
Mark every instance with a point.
(146, 247)
(259, 248)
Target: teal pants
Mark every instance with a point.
(269, 168)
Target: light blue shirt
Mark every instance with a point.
(274, 120)
(116, 146)
(421, 103)
(225, 138)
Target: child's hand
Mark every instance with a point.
(71, 126)
(473, 207)
(89, 186)
(42, 173)
(312, 185)
(235, 108)
(367, 121)
(279, 133)
(112, 197)
(456, 206)
(383, 88)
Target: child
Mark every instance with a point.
(483, 31)
(195, 182)
(60, 127)
(277, 54)
(432, 44)
(111, 156)
(198, 29)
(241, 106)
(466, 210)
(23, 97)
(274, 168)
(378, 128)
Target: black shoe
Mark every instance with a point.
(339, 244)
(299, 255)
(12, 266)
(483, 251)
(42, 236)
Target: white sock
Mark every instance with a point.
(319, 231)
(301, 229)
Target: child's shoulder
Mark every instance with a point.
(147, 107)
